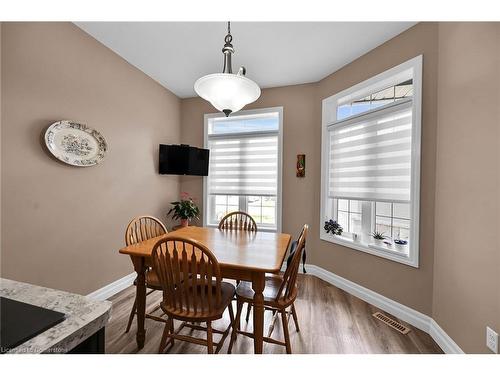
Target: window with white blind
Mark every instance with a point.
(245, 166)
(371, 164)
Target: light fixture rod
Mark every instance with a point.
(228, 50)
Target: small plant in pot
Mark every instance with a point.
(378, 237)
(400, 244)
(184, 209)
(331, 226)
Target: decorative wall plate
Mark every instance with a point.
(75, 143)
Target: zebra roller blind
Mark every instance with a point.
(243, 164)
(370, 155)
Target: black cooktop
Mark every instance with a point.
(20, 322)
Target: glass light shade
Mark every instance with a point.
(227, 91)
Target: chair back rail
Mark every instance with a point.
(288, 287)
(189, 275)
(142, 228)
(238, 220)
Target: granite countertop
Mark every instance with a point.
(84, 316)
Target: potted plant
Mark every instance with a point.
(184, 209)
(401, 244)
(331, 226)
(378, 237)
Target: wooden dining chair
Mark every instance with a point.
(193, 291)
(280, 293)
(293, 248)
(238, 220)
(142, 228)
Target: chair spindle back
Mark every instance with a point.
(143, 228)
(189, 275)
(238, 220)
(288, 287)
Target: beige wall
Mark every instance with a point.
(62, 226)
(467, 245)
(301, 196)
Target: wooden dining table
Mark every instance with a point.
(242, 256)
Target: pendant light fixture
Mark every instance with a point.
(226, 91)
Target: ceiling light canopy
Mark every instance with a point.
(226, 91)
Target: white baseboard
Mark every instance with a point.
(405, 313)
(110, 290)
(444, 341)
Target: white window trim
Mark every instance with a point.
(329, 113)
(279, 200)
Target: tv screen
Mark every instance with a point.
(183, 160)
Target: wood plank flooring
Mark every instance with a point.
(331, 321)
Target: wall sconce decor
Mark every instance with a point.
(301, 165)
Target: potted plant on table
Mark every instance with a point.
(184, 209)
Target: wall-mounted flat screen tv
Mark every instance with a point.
(183, 160)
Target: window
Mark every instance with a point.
(349, 214)
(245, 166)
(371, 163)
(380, 98)
(393, 219)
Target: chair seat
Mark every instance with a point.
(152, 281)
(227, 294)
(245, 292)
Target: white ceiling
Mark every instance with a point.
(176, 54)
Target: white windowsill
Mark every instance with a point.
(390, 249)
(386, 252)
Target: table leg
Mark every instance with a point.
(258, 283)
(140, 268)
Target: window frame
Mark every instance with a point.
(279, 195)
(329, 115)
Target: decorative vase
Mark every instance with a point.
(400, 244)
(184, 222)
(378, 242)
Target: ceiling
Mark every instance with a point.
(176, 54)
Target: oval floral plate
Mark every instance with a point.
(75, 143)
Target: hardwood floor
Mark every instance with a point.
(331, 321)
